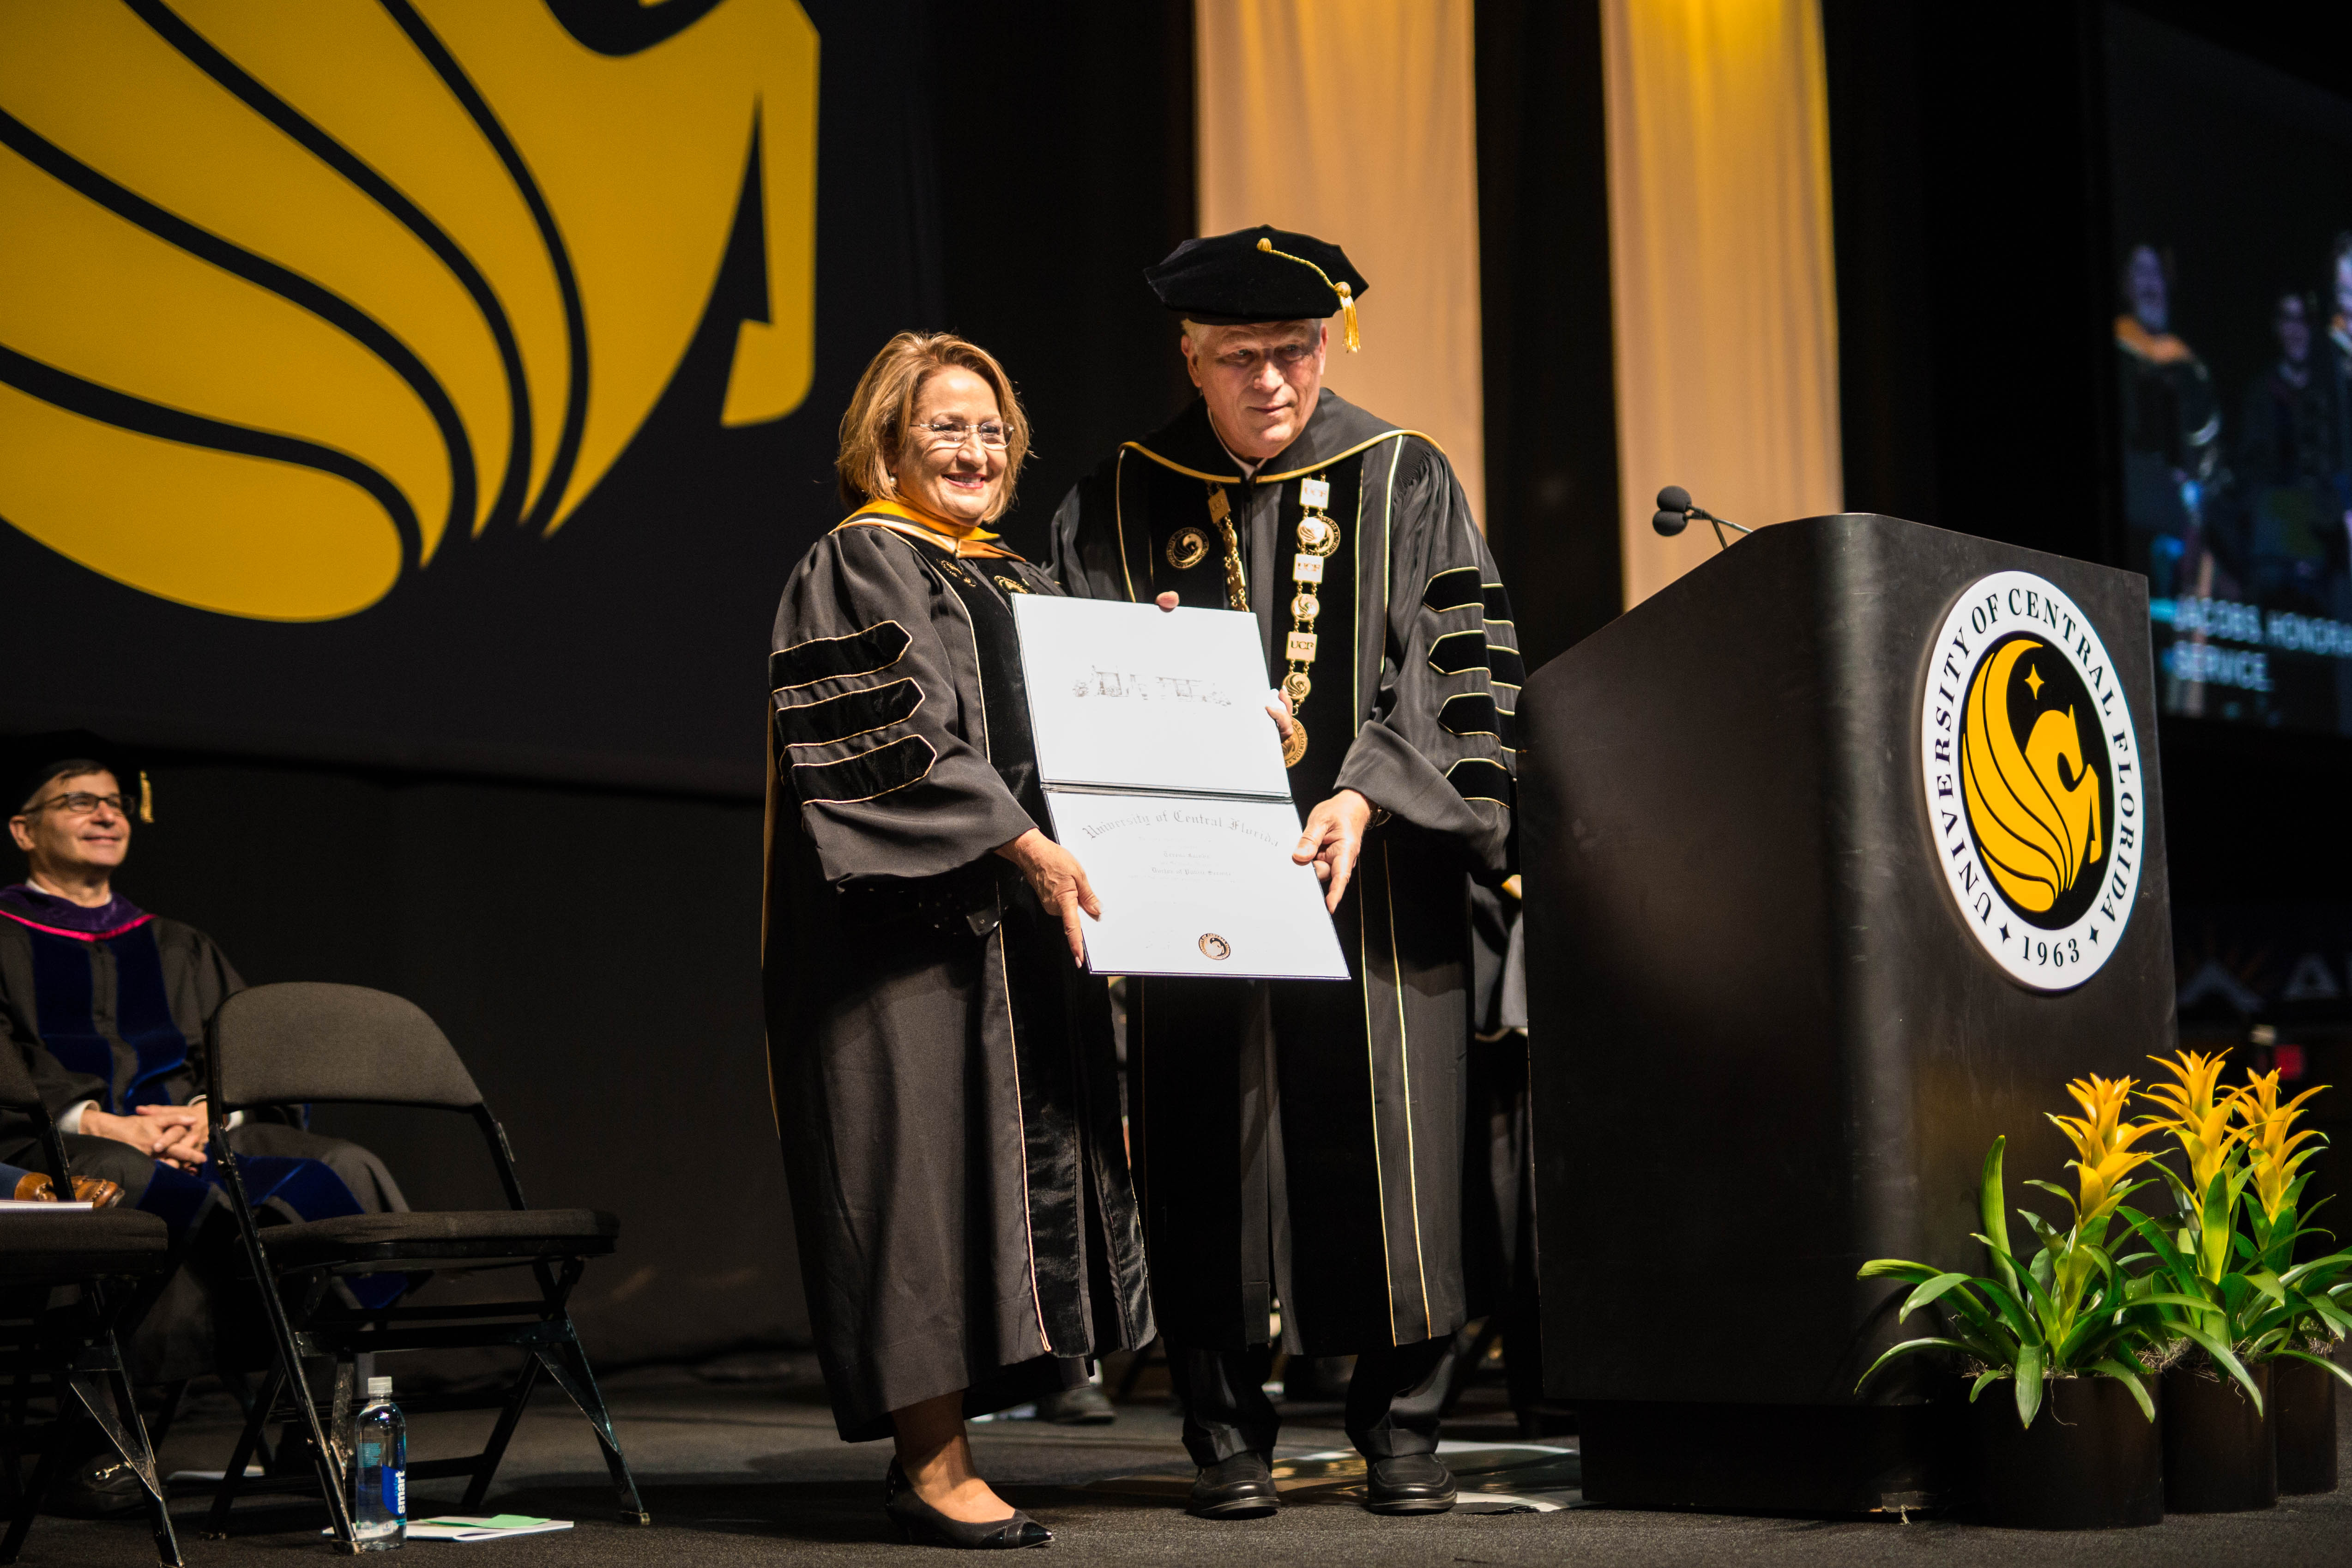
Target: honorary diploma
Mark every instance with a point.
(1164, 777)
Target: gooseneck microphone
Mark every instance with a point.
(1675, 512)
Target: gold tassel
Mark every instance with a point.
(1347, 332)
(146, 799)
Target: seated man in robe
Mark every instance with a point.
(107, 1007)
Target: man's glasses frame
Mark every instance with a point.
(79, 803)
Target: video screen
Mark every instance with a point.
(2231, 208)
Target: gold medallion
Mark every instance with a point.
(1306, 607)
(1296, 686)
(1318, 535)
(1294, 745)
(1187, 548)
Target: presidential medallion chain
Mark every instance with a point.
(1319, 537)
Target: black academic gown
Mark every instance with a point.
(1304, 1139)
(946, 1087)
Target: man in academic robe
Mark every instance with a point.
(107, 1007)
(2172, 432)
(1301, 1142)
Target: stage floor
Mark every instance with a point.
(748, 1470)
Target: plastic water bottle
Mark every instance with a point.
(380, 1471)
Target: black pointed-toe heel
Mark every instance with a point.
(920, 1524)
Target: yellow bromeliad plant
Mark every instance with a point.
(2274, 1149)
(2104, 1156)
(2314, 1296)
(2203, 1120)
(2072, 1311)
(2237, 1297)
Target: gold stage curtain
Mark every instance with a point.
(1723, 269)
(1354, 121)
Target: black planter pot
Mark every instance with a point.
(2219, 1456)
(2303, 1413)
(2090, 1460)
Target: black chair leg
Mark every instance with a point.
(494, 1451)
(257, 1416)
(568, 1364)
(45, 1475)
(264, 1453)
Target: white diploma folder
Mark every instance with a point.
(1164, 777)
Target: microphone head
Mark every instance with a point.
(1671, 522)
(1674, 498)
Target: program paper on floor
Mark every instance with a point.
(1164, 777)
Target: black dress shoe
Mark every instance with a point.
(1085, 1405)
(103, 1488)
(1239, 1487)
(1410, 1483)
(920, 1524)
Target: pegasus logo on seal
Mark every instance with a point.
(295, 299)
(2033, 786)
(2034, 807)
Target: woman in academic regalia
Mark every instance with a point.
(945, 1085)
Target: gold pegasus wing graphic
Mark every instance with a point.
(2037, 830)
(294, 297)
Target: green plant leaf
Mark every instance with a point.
(2224, 1358)
(2173, 1261)
(2130, 1380)
(1907, 1348)
(1994, 1207)
(2028, 1383)
(1984, 1378)
(1929, 1290)
(2012, 1314)
(2316, 1361)
(2041, 1227)
(2332, 1314)
(1900, 1268)
(2330, 1264)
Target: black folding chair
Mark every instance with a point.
(67, 1280)
(293, 1044)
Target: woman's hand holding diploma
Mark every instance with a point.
(1060, 883)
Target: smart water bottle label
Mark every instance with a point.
(396, 1492)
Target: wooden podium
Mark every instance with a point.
(1842, 854)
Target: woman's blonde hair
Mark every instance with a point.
(874, 428)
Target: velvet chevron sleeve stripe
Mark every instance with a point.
(866, 775)
(1455, 590)
(877, 647)
(848, 716)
